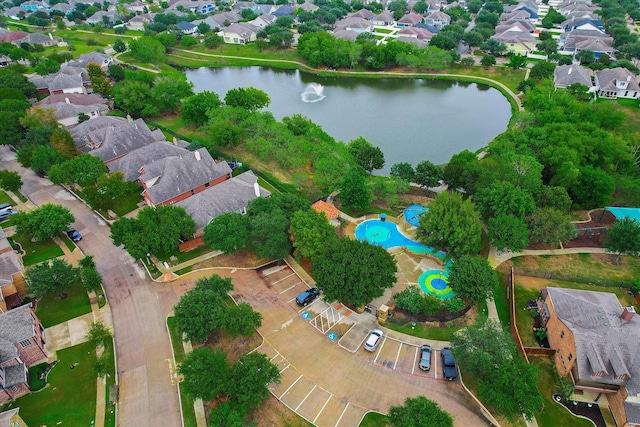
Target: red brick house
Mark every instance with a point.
(597, 343)
(21, 346)
(175, 178)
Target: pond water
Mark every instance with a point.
(409, 119)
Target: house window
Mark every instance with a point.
(570, 358)
(207, 184)
(25, 343)
(562, 335)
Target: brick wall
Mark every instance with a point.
(616, 403)
(13, 392)
(560, 339)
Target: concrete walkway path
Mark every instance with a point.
(496, 258)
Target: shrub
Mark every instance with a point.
(410, 300)
(453, 305)
(431, 305)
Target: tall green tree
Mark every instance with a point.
(268, 235)
(506, 382)
(508, 232)
(250, 98)
(155, 230)
(592, 189)
(83, 170)
(147, 49)
(472, 277)
(169, 89)
(310, 231)
(623, 238)
(50, 277)
(47, 221)
(503, 198)
(550, 226)
(352, 271)
(250, 378)
(427, 174)
(194, 108)
(460, 170)
(134, 97)
(366, 154)
(451, 224)
(206, 374)
(403, 170)
(355, 191)
(227, 232)
(10, 180)
(419, 412)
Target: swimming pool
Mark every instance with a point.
(387, 235)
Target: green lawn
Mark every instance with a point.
(5, 198)
(523, 318)
(374, 419)
(382, 30)
(553, 414)
(188, 413)
(35, 383)
(52, 310)
(440, 334)
(183, 256)
(70, 400)
(35, 252)
(68, 243)
(128, 203)
(110, 411)
(502, 302)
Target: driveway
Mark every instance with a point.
(139, 307)
(323, 380)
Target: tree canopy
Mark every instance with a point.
(355, 191)
(352, 271)
(366, 154)
(310, 231)
(451, 224)
(155, 230)
(206, 374)
(227, 232)
(50, 277)
(47, 221)
(623, 237)
(249, 98)
(419, 412)
(472, 277)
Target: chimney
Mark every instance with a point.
(67, 100)
(197, 154)
(256, 189)
(627, 314)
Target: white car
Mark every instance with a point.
(374, 339)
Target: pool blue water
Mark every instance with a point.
(387, 235)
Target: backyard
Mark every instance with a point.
(70, 399)
(35, 252)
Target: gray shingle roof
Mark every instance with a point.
(14, 375)
(64, 110)
(345, 35)
(9, 265)
(175, 175)
(604, 341)
(79, 132)
(113, 142)
(5, 417)
(15, 325)
(130, 164)
(74, 98)
(228, 196)
(566, 75)
(607, 79)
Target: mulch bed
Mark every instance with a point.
(593, 412)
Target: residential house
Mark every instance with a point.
(410, 19)
(364, 14)
(172, 179)
(263, 20)
(59, 83)
(34, 5)
(11, 36)
(530, 8)
(136, 7)
(102, 17)
(383, 18)
(517, 38)
(566, 75)
(264, 9)
(516, 26)
(21, 346)
(599, 47)
(413, 40)
(617, 83)
(583, 24)
(102, 59)
(222, 20)
(240, 33)
(344, 34)
(11, 418)
(232, 195)
(63, 7)
(16, 13)
(111, 143)
(67, 111)
(239, 6)
(131, 164)
(37, 38)
(200, 6)
(415, 33)
(187, 28)
(138, 22)
(308, 6)
(576, 7)
(573, 41)
(518, 16)
(80, 132)
(438, 19)
(12, 284)
(359, 25)
(597, 342)
(284, 10)
(430, 28)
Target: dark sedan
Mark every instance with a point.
(449, 367)
(307, 297)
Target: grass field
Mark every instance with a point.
(35, 252)
(52, 310)
(374, 419)
(70, 400)
(4, 198)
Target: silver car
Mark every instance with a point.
(374, 339)
(425, 358)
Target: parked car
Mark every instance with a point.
(307, 297)
(425, 358)
(6, 210)
(374, 339)
(449, 367)
(73, 234)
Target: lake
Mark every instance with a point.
(409, 119)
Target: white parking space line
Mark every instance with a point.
(379, 350)
(413, 367)
(397, 356)
(287, 390)
(305, 398)
(289, 288)
(323, 406)
(276, 355)
(341, 415)
(285, 368)
(435, 363)
(284, 278)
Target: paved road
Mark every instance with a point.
(146, 395)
